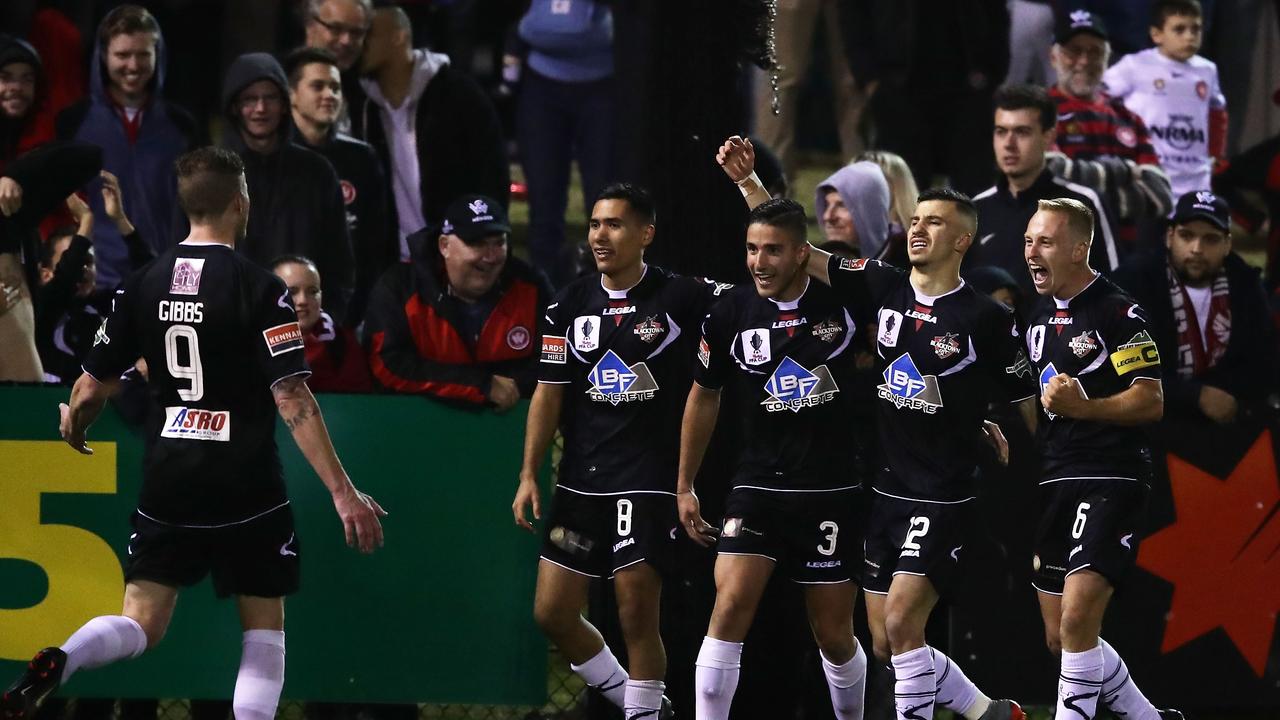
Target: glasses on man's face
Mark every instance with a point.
(251, 101)
(338, 29)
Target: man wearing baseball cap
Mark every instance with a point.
(1100, 143)
(1209, 316)
(458, 321)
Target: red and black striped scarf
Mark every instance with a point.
(1198, 352)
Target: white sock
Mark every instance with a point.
(1119, 691)
(955, 690)
(261, 675)
(605, 674)
(644, 699)
(716, 678)
(915, 686)
(101, 641)
(1079, 684)
(847, 683)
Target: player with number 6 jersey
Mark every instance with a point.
(221, 341)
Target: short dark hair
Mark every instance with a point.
(299, 58)
(1028, 97)
(782, 213)
(294, 260)
(46, 248)
(208, 180)
(1162, 10)
(962, 202)
(638, 199)
(126, 20)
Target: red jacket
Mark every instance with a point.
(416, 335)
(336, 360)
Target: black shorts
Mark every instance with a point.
(813, 537)
(1087, 524)
(259, 557)
(598, 535)
(912, 537)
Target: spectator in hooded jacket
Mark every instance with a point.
(853, 207)
(435, 130)
(141, 135)
(296, 198)
(459, 321)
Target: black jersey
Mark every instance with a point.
(216, 332)
(626, 359)
(788, 370)
(1101, 338)
(942, 360)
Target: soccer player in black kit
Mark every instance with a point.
(782, 347)
(221, 339)
(1099, 374)
(617, 355)
(945, 351)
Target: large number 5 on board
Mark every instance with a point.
(85, 577)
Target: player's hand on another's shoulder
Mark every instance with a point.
(74, 437)
(697, 528)
(526, 495)
(737, 157)
(359, 513)
(1063, 396)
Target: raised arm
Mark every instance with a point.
(301, 414)
(540, 427)
(738, 159)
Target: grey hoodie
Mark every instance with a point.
(866, 193)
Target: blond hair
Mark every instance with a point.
(1079, 216)
(902, 184)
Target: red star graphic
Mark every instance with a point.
(1222, 554)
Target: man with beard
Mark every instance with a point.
(1209, 315)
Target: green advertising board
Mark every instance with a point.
(442, 613)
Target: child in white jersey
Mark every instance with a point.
(1176, 93)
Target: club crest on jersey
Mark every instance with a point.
(755, 347)
(648, 329)
(1035, 342)
(586, 335)
(945, 345)
(906, 387)
(186, 276)
(283, 338)
(554, 350)
(792, 387)
(518, 337)
(185, 423)
(613, 381)
(1082, 344)
(1045, 376)
(890, 324)
(827, 330)
(1126, 136)
(1202, 90)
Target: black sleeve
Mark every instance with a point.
(1010, 368)
(1134, 354)
(861, 282)
(115, 347)
(140, 252)
(276, 336)
(715, 360)
(69, 272)
(68, 122)
(553, 360)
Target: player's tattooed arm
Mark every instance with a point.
(88, 397)
(540, 427)
(301, 414)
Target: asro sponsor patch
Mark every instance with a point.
(186, 276)
(554, 350)
(196, 424)
(283, 338)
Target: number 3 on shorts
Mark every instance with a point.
(828, 547)
(624, 517)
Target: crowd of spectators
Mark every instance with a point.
(383, 168)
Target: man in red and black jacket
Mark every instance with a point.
(459, 320)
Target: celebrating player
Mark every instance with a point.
(617, 349)
(1099, 374)
(221, 339)
(782, 346)
(946, 350)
